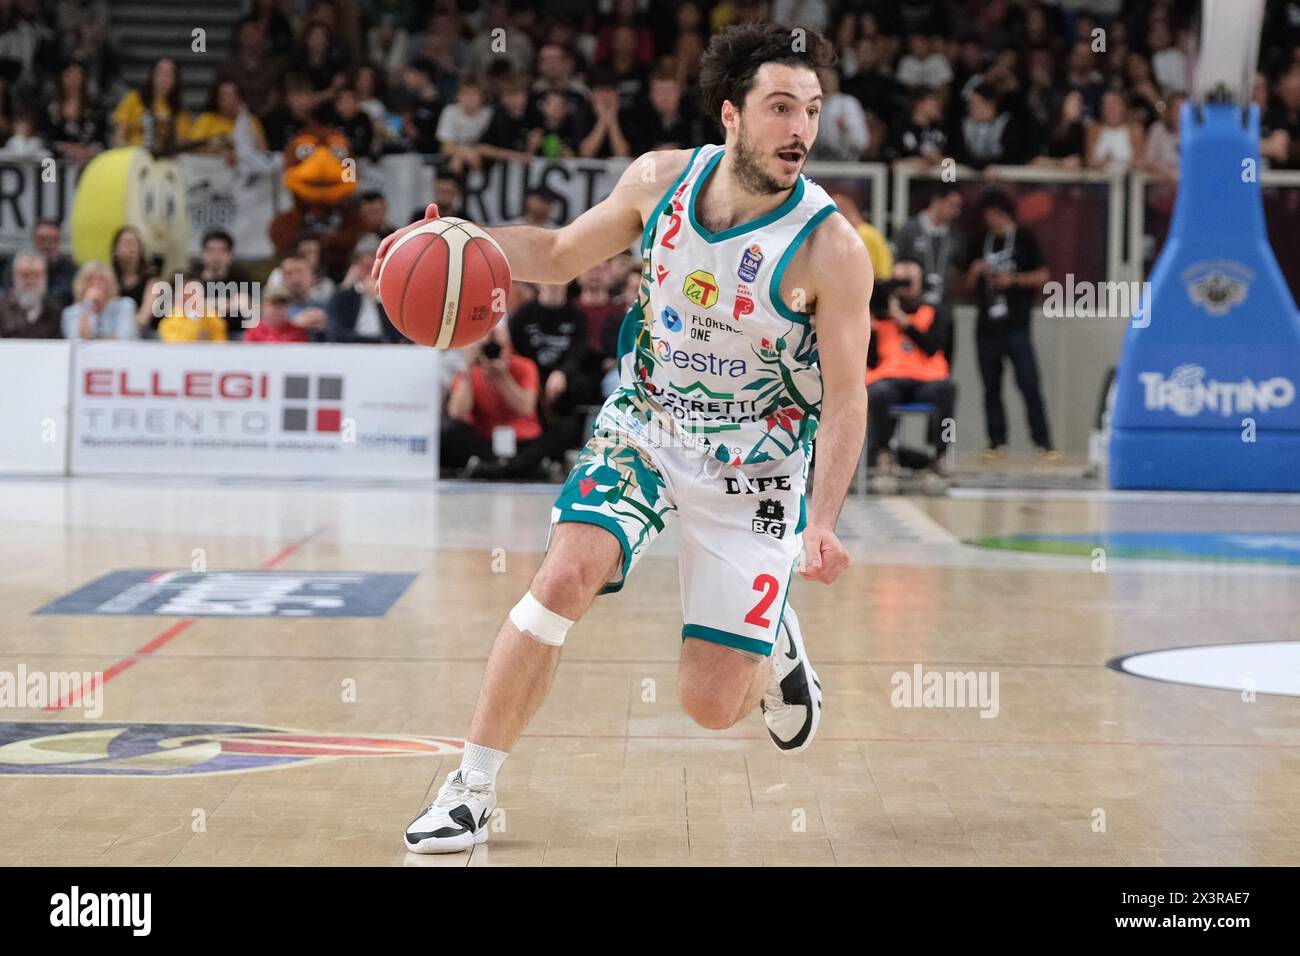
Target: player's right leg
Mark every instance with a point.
(581, 559)
(613, 505)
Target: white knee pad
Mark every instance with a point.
(537, 622)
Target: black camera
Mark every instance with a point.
(491, 350)
(884, 288)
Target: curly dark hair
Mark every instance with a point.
(734, 55)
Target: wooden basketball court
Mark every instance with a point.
(338, 729)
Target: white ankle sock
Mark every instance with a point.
(483, 759)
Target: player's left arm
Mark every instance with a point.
(842, 281)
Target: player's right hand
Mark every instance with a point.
(430, 214)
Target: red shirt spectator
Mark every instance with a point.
(275, 324)
(491, 410)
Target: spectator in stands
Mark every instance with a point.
(424, 106)
(216, 266)
(1006, 272)
(309, 290)
(190, 319)
(555, 68)
(462, 125)
(552, 331)
(371, 86)
(882, 259)
(132, 269)
(346, 116)
(1168, 62)
(924, 66)
(923, 136)
(6, 109)
(373, 216)
(499, 389)
(664, 120)
(24, 141)
(842, 133)
(934, 238)
(507, 136)
(152, 116)
(276, 25)
(215, 127)
(606, 138)
(600, 310)
(446, 196)
(84, 39)
(355, 314)
(560, 135)
(539, 207)
(74, 122)
(1162, 139)
(321, 61)
(25, 311)
(988, 134)
(1283, 116)
(1082, 75)
(60, 270)
(25, 40)
(292, 116)
(439, 45)
(906, 364)
(625, 67)
(256, 70)
(387, 45)
(98, 312)
(275, 323)
(1114, 141)
(1065, 138)
(516, 47)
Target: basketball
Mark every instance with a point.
(444, 283)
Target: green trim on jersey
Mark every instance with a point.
(614, 528)
(774, 289)
(628, 328)
(792, 200)
(727, 639)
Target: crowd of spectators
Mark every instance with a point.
(1089, 83)
(1070, 83)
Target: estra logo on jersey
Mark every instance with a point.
(699, 361)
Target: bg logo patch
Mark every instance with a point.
(701, 288)
(770, 518)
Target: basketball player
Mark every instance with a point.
(748, 336)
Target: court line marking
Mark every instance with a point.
(175, 630)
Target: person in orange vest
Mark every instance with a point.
(906, 363)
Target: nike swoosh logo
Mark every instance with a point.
(482, 820)
(792, 654)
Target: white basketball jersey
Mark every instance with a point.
(710, 346)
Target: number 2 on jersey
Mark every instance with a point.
(770, 588)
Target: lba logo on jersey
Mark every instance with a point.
(701, 288)
(750, 262)
(1217, 285)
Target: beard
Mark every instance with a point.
(30, 300)
(748, 167)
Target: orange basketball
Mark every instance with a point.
(444, 283)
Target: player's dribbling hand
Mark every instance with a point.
(825, 558)
(430, 214)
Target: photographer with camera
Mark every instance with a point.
(492, 409)
(906, 363)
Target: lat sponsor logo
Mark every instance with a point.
(701, 288)
(1187, 392)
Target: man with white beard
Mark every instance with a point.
(25, 311)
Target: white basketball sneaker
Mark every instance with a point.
(792, 704)
(457, 818)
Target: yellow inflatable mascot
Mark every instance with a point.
(128, 187)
